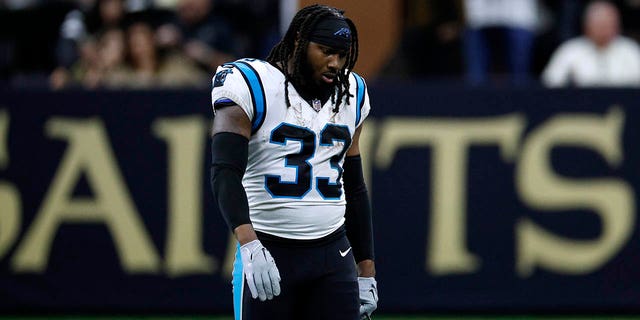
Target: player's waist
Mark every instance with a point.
(298, 243)
(268, 203)
(294, 221)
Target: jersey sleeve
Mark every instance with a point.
(363, 107)
(230, 87)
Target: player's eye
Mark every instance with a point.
(329, 51)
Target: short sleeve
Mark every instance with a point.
(366, 106)
(362, 99)
(230, 85)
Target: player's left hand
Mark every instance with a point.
(368, 288)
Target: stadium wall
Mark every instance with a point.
(491, 200)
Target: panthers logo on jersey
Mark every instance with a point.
(221, 76)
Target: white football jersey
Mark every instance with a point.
(293, 179)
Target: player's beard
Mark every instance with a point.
(312, 86)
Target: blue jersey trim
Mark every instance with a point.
(224, 100)
(257, 93)
(237, 285)
(360, 87)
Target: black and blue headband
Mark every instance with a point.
(333, 32)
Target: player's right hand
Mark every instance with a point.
(260, 270)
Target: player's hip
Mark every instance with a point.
(327, 257)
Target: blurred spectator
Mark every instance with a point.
(112, 49)
(112, 55)
(100, 59)
(201, 34)
(147, 67)
(60, 48)
(491, 24)
(89, 19)
(84, 67)
(601, 57)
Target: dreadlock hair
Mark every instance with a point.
(299, 29)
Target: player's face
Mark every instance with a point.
(325, 63)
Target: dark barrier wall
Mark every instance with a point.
(509, 200)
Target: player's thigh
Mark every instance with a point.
(335, 301)
(292, 264)
(280, 307)
(335, 295)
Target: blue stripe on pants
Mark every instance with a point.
(238, 285)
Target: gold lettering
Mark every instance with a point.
(611, 199)
(186, 138)
(230, 257)
(10, 205)
(447, 252)
(88, 153)
(367, 141)
(10, 219)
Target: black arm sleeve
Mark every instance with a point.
(228, 163)
(358, 218)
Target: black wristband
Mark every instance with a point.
(228, 163)
(358, 217)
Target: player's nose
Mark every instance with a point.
(334, 61)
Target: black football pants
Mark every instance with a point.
(318, 282)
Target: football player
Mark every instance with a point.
(287, 176)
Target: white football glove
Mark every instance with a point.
(368, 288)
(260, 270)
